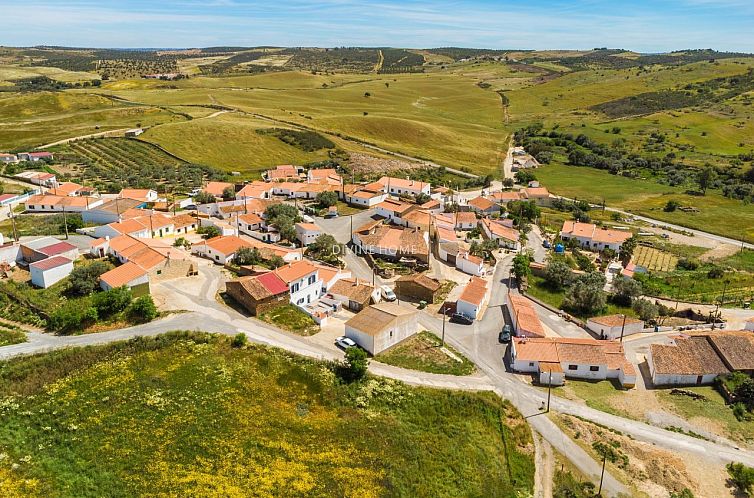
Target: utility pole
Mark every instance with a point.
(623, 328)
(65, 223)
(602, 476)
(13, 221)
(444, 316)
(549, 389)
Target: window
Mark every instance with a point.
(159, 272)
(294, 287)
(391, 333)
(594, 368)
(311, 279)
(300, 301)
(217, 257)
(573, 367)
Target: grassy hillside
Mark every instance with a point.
(716, 214)
(189, 415)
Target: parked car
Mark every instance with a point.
(387, 293)
(505, 334)
(190, 207)
(546, 244)
(344, 342)
(461, 318)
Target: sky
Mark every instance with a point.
(640, 25)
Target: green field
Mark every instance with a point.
(187, 414)
(423, 352)
(717, 214)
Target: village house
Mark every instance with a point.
(484, 206)
(139, 194)
(47, 272)
(355, 294)
(612, 326)
(184, 223)
(8, 158)
(417, 287)
(365, 198)
(392, 242)
(42, 178)
(254, 190)
(222, 249)
(432, 206)
(393, 210)
(70, 189)
(45, 203)
(505, 236)
(302, 279)
(46, 247)
(524, 317)
(218, 188)
(589, 236)
(285, 172)
(307, 233)
(401, 186)
(417, 218)
(112, 211)
(505, 196)
(128, 275)
(381, 326)
(558, 358)
(698, 358)
(539, 195)
(468, 263)
(473, 298)
(324, 175)
(259, 293)
(34, 156)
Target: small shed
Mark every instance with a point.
(417, 287)
(49, 271)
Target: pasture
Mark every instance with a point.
(187, 414)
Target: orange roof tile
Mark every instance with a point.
(123, 274)
(294, 271)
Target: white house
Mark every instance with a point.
(402, 186)
(587, 359)
(393, 210)
(45, 203)
(111, 211)
(506, 237)
(524, 317)
(468, 263)
(472, 298)
(589, 236)
(484, 206)
(8, 158)
(221, 249)
(128, 275)
(49, 271)
(304, 284)
(380, 326)
(612, 326)
(34, 156)
(307, 233)
(687, 361)
(365, 198)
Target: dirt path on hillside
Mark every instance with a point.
(380, 62)
(118, 132)
(720, 252)
(543, 467)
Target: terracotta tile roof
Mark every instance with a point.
(536, 192)
(533, 349)
(610, 236)
(366, 194)
(254, 189)
(263, 286)
(326, 273)
(44, 199)
(226, 244)
(217, 188)
(123, 274)
(501, 231)
(523, 310)
(575, 351)
(431, 204)
(402, 183)
(464, 217)
(397, 207)
(614, 320)
(474, 291)
(295, 270)
(65, 188)
(422, 280)
(353, 289)
(419, 217)
(50, 263)
(250, 218)
(97, 242)
(310, 227)
(471, 258)
(376, 318)
(578, 229)
(58, 248)
(134, 193)
(409, 241)
(446, 234)
(119, 205)
(735, 348)
(129, 226)
(691, 355)
(482, 203)
(582, 354)
(506, 196)
(184, 220)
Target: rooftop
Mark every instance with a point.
(377, 317)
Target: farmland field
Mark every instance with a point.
(653, 259)
(188, 414)
(111, 164)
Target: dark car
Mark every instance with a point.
(505, 334)
(461, 318)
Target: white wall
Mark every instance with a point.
(309, 289)
(469, 267)
(584, 371)
(46, 278)
(468, 309)
(614, 332)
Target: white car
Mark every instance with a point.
(344, 342)
(387, 293)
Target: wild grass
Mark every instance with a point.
(186, 413)
(423, 352)
(289, 317)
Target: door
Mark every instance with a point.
(699, 379)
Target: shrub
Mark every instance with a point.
(247, 256)
(142, 310)
(72, 317)
(239, 340)
(687, 264)
(741, 476)
(671, 206)
(327, 199)
(645, 309)
(355, 365)
(208, 232)
(716, 272)
(85, 278)
(558, 274)
(204, 198)
(113, 301)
